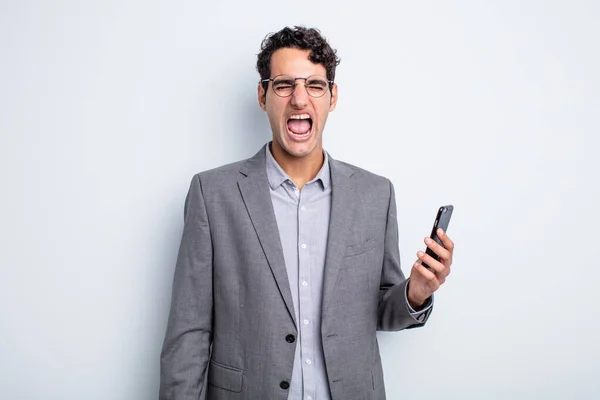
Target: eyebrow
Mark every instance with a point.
(288, 81)
(317, 81)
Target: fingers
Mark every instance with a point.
(432, 280)
(439, 270)
(437, 249)
(425, 280)
(448, 244)
(443, 252)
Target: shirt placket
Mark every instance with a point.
(304, 296)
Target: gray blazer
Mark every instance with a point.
(231, 289)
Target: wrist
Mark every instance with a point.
(414, 301)
(416, 305)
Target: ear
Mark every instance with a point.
(262, 97)
(334, 97)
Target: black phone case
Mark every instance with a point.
(442, 219)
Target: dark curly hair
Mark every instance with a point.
(301, 38)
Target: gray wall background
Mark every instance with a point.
(108, 108)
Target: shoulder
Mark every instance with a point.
(217, 184)
(363, 178)
(229, 174)
(375, 192)
(223, 175)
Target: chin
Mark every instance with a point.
(299, 150)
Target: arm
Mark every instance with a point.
(186, 348)
(394, 312)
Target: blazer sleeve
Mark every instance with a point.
(393, 311)
(186, 347)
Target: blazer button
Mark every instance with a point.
(290, 338)
(284, 385)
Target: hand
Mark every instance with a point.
(423, 282)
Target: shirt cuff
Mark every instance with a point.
(418, 315)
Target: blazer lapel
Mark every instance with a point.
(342, 211)
(254, 188)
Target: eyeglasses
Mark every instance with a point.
(284, 85)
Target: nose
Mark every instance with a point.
(300, 95)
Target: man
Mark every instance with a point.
(289, 260)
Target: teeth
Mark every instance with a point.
(300, 116)
(301, 134)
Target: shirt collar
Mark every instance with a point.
(277, 175)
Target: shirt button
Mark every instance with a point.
(284, 385)
(304, 283)
(305, 322)
(303, 246)
(308, 361)
(303, 208)
(309, 398)
(290, 338)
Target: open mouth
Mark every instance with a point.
(300, 125)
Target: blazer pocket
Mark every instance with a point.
(225, 377)
(359, 248)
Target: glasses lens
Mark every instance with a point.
(283, 85)
(316, 86)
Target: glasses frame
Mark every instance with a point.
(295, 84)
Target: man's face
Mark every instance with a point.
(297, 121)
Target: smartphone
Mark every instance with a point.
(442, 219)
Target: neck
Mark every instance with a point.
(299, 169)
